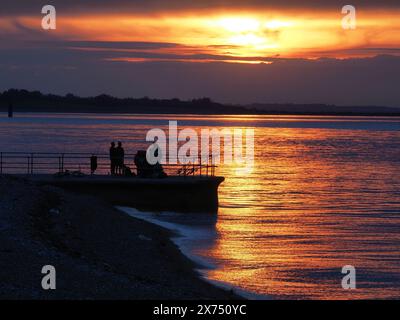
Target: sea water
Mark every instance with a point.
(324, 193)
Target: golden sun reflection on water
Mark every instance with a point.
(316, 200)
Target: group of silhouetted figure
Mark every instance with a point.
(118, 167)
(117, 155)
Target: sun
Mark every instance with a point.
(251, 34)
(240, 25)
(277, 24)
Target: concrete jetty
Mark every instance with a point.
(174, 193)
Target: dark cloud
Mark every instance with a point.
(77, 7)
(110, 45)
(55, 69)
(121, 44)
(361, 51)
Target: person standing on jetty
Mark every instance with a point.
(113, 158)
(120, 155)
(10, 110)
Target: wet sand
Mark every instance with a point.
(98, 251)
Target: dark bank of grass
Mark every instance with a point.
(98, 252)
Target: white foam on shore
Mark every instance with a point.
(183, 234)
(191, 234)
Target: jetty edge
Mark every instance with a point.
(171, 187)
(98, 251)
(180, 194)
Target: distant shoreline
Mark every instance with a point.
(206, 114)
(35, 101)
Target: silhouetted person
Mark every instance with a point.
(10, 110)
(127, 172)
(142, 166)
(120, 155)
(93, 164)
(113, 158)
(146, 170)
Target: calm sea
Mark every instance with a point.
(324, 193)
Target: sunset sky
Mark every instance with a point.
(231, 51)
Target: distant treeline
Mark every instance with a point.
(35, 101)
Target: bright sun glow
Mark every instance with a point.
(252, 34)
(277, 24)
(240, 24)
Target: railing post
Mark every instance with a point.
(208, 165)
(212, 166)
(31, 163)
(201, 169)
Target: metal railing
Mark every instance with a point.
(56, 163)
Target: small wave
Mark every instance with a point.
(185, 236)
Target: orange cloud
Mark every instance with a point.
(239, 34)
